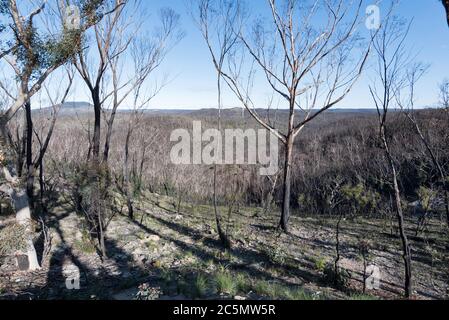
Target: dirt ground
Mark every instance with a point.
(168, 251)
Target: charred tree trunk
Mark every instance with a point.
(224, 239)
(126, 177)
(41, 184)
(285, 216)
(226, 243)
(21, 148)
(97, 125)
(406, 254)
(107, 143)
(29, 154)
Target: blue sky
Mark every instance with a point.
(193, 76)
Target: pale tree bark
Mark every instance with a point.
(21, 206)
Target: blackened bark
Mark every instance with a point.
(21, 148)
(97, 125)
(285, 216)
(400, 216)
(126, 176)
(107, 143)
(29, 154)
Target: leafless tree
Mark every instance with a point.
(444, 94)
(113, 38)
(407, 104)
(391, 67)
(217, 21)
(147, 55)
(311, 63)
(56, 97)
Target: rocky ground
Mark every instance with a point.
(164, 254)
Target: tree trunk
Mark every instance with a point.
(41, 184)
(337, 251)
(21, 206)
(446, 198)
(97, 126)
(126, 177)
(29, 154)
(285, 216)
(107, 143)
(101, 232)
(400, 216)
(21, 151)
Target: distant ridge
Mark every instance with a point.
(80, 107)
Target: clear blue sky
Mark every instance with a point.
(193, 84)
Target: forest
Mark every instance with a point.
(93, 206)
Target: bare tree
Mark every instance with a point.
(106, 61)
(407, 104)
(147, 56)
(56, 100)
(217, 21)
(444, 94)
(392, 62)
(311, 63)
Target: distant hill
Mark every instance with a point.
(69, 108)
(80, 107)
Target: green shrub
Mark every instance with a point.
(200, 286)
(320, 264)
(426, 197)
(360, 198)
(225, 283)
(278, 291)
(276, 255)
(339, 279)
(243, 283)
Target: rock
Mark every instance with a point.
(22, 262)
(153, 238)
(239, 298)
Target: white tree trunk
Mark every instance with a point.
(20, 203)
